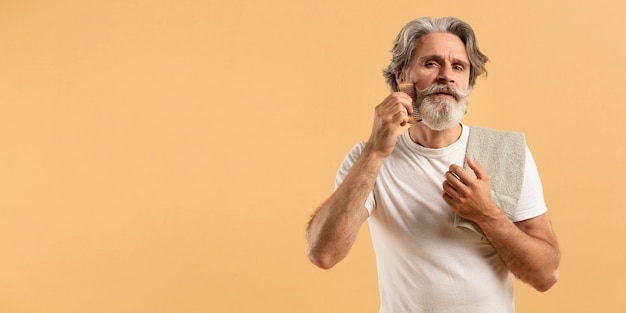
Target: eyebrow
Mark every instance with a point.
(440, 58)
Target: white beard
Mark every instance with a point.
(439, 114)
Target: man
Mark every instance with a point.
(415, 193)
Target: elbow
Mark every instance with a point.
(321, 260)
(547, 282)
(550, 275)
(322, 255)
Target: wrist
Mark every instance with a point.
(493, 218)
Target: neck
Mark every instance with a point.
(434, 139)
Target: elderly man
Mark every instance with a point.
(453, 210)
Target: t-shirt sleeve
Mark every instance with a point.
(531, 203)
(346, 166)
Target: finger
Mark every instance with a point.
(400, 96)
(476, 167)
(449, 194)
(451, 186)
(453, 180)
(406, 116)
(390, 110)
(454, 175)
(448, 199)
(460, 173)
(408, 106)
(406, 101)
(399, 108)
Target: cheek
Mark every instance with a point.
(421, 76)
(424, 82)
(464, 88)
(463, 82)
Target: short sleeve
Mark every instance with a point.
(531, 202)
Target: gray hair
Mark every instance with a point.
(409, 35)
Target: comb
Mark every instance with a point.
(409, 88)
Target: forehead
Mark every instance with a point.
(444, 45)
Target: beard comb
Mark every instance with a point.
(409, 88)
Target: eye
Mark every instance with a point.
(430, 64)
(459, 68)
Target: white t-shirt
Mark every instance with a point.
(425, 263)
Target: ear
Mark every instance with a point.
(399, 77)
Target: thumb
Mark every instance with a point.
(476, 167)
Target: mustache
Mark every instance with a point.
(445, 89)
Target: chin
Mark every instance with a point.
(441, 126)
(443, 120)
(438, 119)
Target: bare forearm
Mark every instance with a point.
(534, 258)
(335, 225)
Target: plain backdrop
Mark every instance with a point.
(165, 156)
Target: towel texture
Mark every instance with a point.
(502, 154)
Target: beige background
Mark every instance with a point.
(165, 156)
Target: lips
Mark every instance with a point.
(444, 92)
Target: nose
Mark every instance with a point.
(445, 75)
